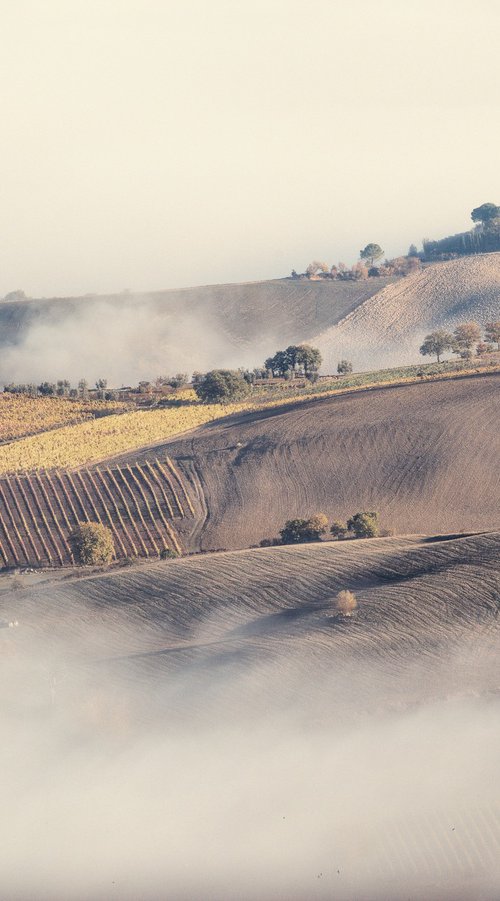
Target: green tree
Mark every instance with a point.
(437, 343)
(221, 386)
(412, 250)
(92, 543)
(364, 525)
(465, 337)
(371, 253)
(344, 366)
(492, 331)
(299, 531)
(338, 530)
(308, 357)
(485, 213)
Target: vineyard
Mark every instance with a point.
(138, 503)
(22, 415)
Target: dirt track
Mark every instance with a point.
(425, 456)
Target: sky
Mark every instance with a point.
(153, 144)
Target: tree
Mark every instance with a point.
(14, 296)
(437, 343)
(344, 366)
(92, 543)
(221, 386)
(412, 251)
(371, 253)
(485, 213)
(338, 530)
(315, 267)
(299, 531)
(364, 525)
(346, 603)
(308, 357)
(465, 337)
(492, 331)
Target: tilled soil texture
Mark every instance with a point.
(424, 456)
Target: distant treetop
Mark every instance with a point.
(485, 213)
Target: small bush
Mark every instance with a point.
(221, 386)
(92, 543)
(346, 603)
(168, 554)
(344, 366)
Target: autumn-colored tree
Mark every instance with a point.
(492, 332)
(92, 543)
(299, 531)
(364, 525)
(465, 337)
(346, 603)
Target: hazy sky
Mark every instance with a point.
(159, 143)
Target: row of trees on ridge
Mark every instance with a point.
(466, 337)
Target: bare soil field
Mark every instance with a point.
(204, 700)
(388, 328)
(425, 456)
(417, 597)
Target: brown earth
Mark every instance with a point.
(425, 456)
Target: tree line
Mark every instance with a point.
(364, 524)
(466, 338)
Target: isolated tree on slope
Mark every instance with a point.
(437, 343)
(92, 543)
(371, 253)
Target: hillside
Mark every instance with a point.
(416, 595)
(127, 337)
(388, 328)
(191, 695)
(425, 456)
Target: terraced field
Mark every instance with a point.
(140, 504)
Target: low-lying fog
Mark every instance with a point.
(244, 780)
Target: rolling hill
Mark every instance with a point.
(424, 456)
(196, 689)
(377, 323)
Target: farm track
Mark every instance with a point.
(138, 503)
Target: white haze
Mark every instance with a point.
(140, 341)
(245, 781)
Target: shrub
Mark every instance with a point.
(346, 603)
(364, 525)
(344, 366)
(168, 554)
(92, 543)
(298, 531)
(338, 530)
(221, 386)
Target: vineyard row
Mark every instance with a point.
(139, 503)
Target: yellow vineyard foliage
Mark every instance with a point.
(98, 439)
(23, 415)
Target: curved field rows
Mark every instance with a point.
(388, 328)
(338, 721)
(418, 599)
(424, 456)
